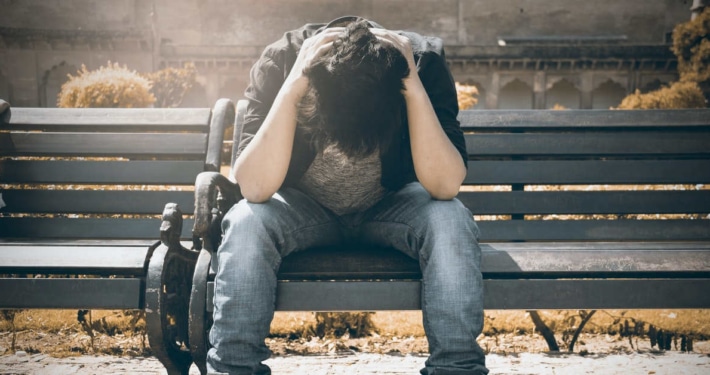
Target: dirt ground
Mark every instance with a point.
(508, 354)
(51, 342)
(344, 362)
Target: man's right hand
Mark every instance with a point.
(311, 50)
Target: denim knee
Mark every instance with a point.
(249, 235)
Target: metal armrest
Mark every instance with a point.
(214, 196)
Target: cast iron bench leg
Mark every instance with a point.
(167, 295)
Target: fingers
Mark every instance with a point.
(401, 42)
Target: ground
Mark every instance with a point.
(53, 343)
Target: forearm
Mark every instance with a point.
(437, 163)
(261, 168)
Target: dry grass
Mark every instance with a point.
(58, 333)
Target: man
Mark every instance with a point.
(350, 134)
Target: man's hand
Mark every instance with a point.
(312, 49)
(437, 163)
(262, 166)
(400, 42)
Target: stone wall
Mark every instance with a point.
(489, 43)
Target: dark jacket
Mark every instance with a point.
(275, 63)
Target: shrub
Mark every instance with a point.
(678, 95)
(110, 86)
(691, 44)
(467, 95)
(171, 84)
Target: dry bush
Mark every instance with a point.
(466, 95)
(170, 85)
(678, 95)
(691, 44)
(110, 86)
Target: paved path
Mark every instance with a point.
(376, 364)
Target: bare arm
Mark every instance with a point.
(261, 168)
(437, 162)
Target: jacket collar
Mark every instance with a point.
(345, 20)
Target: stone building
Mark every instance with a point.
(519, 53)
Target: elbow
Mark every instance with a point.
(255, 196)
(254, 192)
(443, 190)
(444, 194)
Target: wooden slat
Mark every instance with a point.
(103, 144)
(586, 202)
(590, 143)
(522, 119)
(95, 201)
(73, 260)
(108, 119)
(511, 260)
(71, 293)
(595, 230)
(65, 228)
(597, 294)
(596, 260)
(498, 294)
(100, 172)
(541, 172)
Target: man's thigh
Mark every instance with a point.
(404, 218)
(290, 219)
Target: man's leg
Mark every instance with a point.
(444, 238)
(256, 238)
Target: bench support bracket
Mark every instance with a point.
(167, 297)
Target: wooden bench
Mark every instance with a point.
(543, 248)
(84, 190)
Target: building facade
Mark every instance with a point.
(519, 53)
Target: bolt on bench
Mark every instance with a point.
(84, 190)
(543, 248)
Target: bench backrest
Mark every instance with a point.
(585, 175)
(103, 173)
(589, 175)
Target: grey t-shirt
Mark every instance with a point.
(344, 184)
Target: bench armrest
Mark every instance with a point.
(214, 196)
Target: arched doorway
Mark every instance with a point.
(515, 95)
(607, 95)
(52, 83)
(563, 94)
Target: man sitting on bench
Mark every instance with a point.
(350, 134)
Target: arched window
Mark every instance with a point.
(563, 93)
(52, 83)
(608, 94)
(515, 95)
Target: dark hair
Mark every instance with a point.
(355, 99)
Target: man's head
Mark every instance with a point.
(355, 98)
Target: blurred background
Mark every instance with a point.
(519, 54)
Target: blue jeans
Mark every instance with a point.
(441, 235)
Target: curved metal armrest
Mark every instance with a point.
(214, 195)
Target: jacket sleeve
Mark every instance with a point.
(439, 85)
(266, 79)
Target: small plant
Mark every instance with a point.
(9, 316)
(678, 95)
(170, 85)
(111, 86)
(340, 324)
(467, 95)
